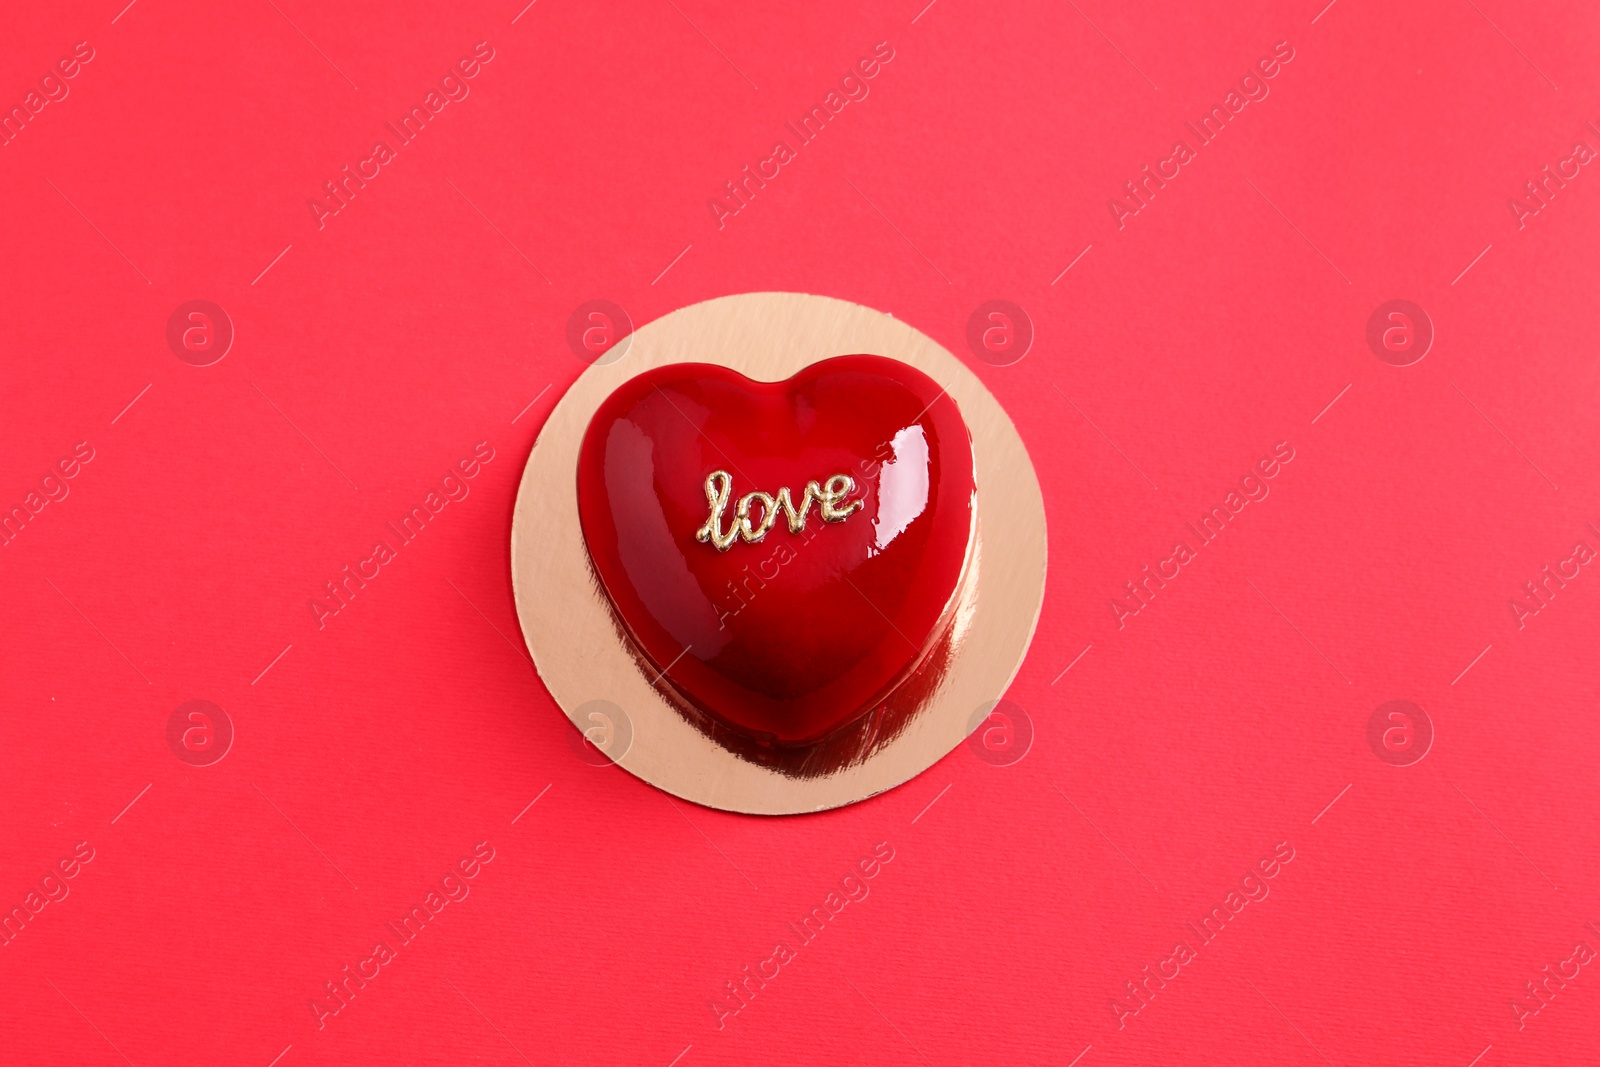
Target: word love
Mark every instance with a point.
(719, 490)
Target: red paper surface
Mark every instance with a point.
(1173, 750)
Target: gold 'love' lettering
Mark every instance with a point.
(829, 497)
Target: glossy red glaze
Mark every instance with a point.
(793, 637)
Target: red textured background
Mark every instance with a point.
(430, 314)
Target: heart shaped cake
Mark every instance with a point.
(782, 555)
